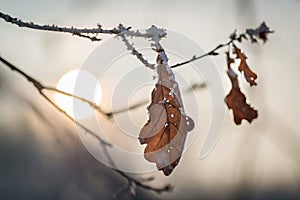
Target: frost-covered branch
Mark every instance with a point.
(254, 35)
(133, 50)
(81, 32)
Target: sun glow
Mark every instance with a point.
(80, 83)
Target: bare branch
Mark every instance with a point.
(159, 190)
(94, 105)
(90, 103)
(260, 33)
(134, 106)
(210, 53)
(92, 38)
(40, 88)
(195, 86)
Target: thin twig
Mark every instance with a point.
(165, 188)
(260, 32)
(90, 103)
(135, 52)
(40, 87)
(94, 105)
(142, 103)
(210, 53)
(92, 38)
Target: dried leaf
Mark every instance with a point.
(236, 100)
(249, 75)
(260, 33)
(168, 125)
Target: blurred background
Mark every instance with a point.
(42, 156)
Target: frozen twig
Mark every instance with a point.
(259, 33)
(133, 50)
(81, 32)
(210, 53)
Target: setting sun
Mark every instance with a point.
(80, 83)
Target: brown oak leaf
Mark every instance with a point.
(236, 100)
(249, 75)
(168, 125)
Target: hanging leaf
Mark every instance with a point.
(168, 125)
(260, 33)
(236, 100)
(249, 75)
